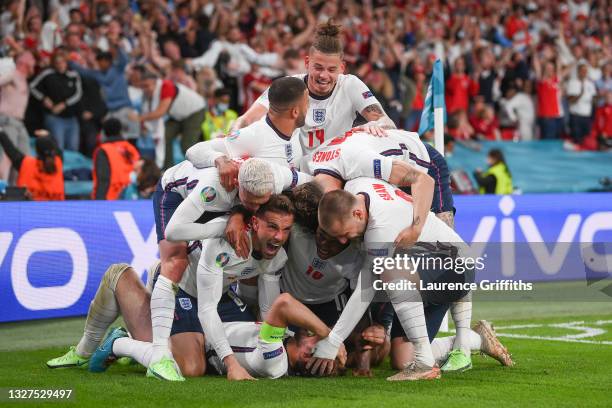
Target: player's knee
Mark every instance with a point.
(283, 300)
(114, 273)
(193, 367)
(173, 268)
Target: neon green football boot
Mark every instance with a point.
(457, 362)
(165, 369)
(70, 359)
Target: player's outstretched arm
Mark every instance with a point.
(183, 225)
(253, 114)
(204, 154)
(210, 288)
(268, 291)
(327, 349)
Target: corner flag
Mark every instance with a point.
(434, 111)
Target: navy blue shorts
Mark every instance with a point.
(330, 312)
(434, 314)
(438, 170)
(186, 313)
(165, 202)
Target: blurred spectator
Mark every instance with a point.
(92, 112)
(549, 92)
(219, 116)
(42, 176)
(143, 180)
(110, 75)
(113, 161)
(59, 90)
(484, 122)
(602, 126)
(581, 93)
(14, 94)
(497, 178)
(185, 108)
(459, 88)
(517, 111)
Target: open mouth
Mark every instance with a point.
(272, 247)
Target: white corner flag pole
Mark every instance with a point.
(439, 145)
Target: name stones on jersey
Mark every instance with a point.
(318, 115)
(208, 194)
(222, 259)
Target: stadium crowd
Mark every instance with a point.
(515, 70)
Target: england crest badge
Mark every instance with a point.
(318, 115)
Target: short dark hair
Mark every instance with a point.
(112, 127)
(335, 205)
(104, 55)
(305, 198)
(278, 203)
(285, 93)
(149, 175)
(222, 92)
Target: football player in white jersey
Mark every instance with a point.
(183, 186)
(269, 138)
(220, 265)
(335, 98)
(376, 211)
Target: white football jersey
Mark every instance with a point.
(334, 115)
(217, 254)
(311, 279)
(260, 359)
(390, 210)
(364, 155)
(263, 140)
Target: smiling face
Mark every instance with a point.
(270, 232)
(323, 71)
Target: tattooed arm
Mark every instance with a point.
(376, 116)
(422, 186)
(448, 217)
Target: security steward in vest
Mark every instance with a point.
(114, 161)
(497, 178)
(42, 176)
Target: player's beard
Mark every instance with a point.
(301, 120)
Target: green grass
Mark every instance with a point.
(547, 373)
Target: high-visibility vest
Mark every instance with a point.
(43, 186)
(218, 124)
(504, 180)
(122, 157)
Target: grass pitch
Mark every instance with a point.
(562, 351)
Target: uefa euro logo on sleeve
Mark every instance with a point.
(318, 115)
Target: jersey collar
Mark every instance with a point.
(318, 97)
(275, 129)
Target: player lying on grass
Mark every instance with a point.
(198, 191)
(262, 348)
(375, 211)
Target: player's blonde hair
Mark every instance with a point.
(255, 176)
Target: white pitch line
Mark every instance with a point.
(564, 339)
